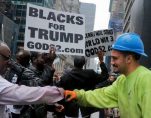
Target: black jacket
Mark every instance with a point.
(28, 77)
(46, 75)
(21, 73)
(85, 79)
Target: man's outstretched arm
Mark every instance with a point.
(15, 94)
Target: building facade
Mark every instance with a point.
(8, 29)
(89, 16)
(8, 32)
(20, 14)
(89, 27)
(127, 16)
(116, 16)
(67, 5)
(116, 22)
(138, 19)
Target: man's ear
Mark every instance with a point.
(129, 59)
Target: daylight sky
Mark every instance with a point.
(102, 13)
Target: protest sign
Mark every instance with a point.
(46, 28)
(98, 40)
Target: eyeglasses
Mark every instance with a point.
(5, 58)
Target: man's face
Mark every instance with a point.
(3, 63)
(40, 61)
(4, 57)
(118, 62)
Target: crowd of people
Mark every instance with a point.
(28, 88)
(15, 93)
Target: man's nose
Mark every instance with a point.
(112, 62)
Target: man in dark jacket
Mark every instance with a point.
(20, 95)
(36, 75)
(17, 72)
(79, 78)
(42, 68)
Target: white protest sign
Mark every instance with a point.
(98, 40)
(46, 28)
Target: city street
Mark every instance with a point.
(64, 55)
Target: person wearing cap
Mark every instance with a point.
(13, 94)
(131, 91)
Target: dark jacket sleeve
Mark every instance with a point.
(29, 78)
(47, 75)
(103, 84)
(104, 74)
(63, 81)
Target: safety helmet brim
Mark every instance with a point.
(123, 49)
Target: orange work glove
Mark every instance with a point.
(70, 95)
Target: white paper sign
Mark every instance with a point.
(98, 40)
(46, 28)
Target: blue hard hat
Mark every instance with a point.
(129, 42)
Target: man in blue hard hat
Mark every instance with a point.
(131, 92)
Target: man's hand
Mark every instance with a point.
(100, 56)
(59, 107)
(70, 95)
(52, 53)
(56, 77)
